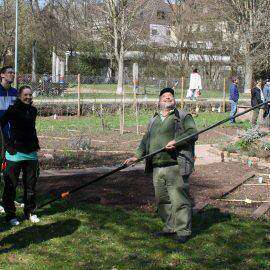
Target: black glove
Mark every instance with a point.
(11, 150)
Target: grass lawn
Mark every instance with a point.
(92, 236)
(101, 237)
(93, 123)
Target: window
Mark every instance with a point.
(154, 32)
(161, 14)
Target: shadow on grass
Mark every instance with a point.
(205, 219)
(219, 239)
(37, 234)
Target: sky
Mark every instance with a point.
(42, 2)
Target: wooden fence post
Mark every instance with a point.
(224, 96)
(79, 94)
(182, 92)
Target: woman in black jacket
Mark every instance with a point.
(21, 155)
(256, 99)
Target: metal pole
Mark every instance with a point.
(67, 56)
(16, 42)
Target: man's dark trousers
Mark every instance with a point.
(30, 169)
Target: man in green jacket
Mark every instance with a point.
(171, 168)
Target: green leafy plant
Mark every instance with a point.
(252, 134)
(242, 144)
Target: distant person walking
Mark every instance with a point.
(266, 97)
(195, 85)
(234, 97)
(256, 99)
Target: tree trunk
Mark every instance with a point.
(120, 90)
(34, 60)
(248, 72)
(3, 60)
(120, 78)
(122, 120)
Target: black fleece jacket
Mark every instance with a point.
(256, 97)
(23, 135)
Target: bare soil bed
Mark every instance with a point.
(133, 189)
(105, 148)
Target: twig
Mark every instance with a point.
(90, 151)
(248, 201)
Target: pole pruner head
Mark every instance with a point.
(64, 195)
(3, 166)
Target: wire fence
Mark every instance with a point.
(99, 87)
(65, 140)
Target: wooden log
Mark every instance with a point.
(79, 95)
(256, 184)
(182, 93)
(248, 201)
(261, 210)
(226, 193)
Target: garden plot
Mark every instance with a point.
(254, 142)
(72, 142)
(68, 142)
(133, 188)
(249, 197)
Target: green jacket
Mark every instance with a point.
(176, 126)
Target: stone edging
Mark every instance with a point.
(226, 156)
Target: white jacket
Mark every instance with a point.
(195, 81)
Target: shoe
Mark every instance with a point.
(163, 234)
(182, 239)
(14, 222)
(34, 218)
(2, 210)
(19, 205)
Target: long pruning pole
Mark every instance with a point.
(123, 166)
(16, 42)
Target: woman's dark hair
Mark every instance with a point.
(5, 68)
(23, 88)
(195, 70)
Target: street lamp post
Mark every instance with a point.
(16, 43)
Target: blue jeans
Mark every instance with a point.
(233, 110)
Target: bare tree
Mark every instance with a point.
(247, 32)
(120, 27)
(197, 37)
(117, 25)
(182, 25)
(7, 29)
(56, 23)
